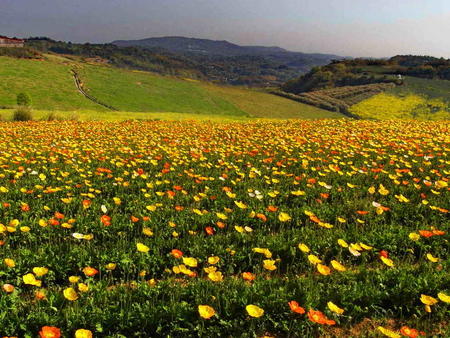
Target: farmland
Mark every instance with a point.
(298, 228)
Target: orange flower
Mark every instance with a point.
(361, 212)
(294, 307)
(6, 205)
(272, 208)
(220, 225)
(86, 204)
(178, 208)
(50, 332)
(248, 276)
(90, 271)
(40, 295)
(8, 288)
(25, 207)
(58, 215)
(177, 253)
(439, 232)
(106, 220)
(426, 233)
(53, 221)
(319, 318)
(262, 216)
(134, 219)
(411, 333)
(209, 230)
(383, 253)
(177, 187)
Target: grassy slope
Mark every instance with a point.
(50, 85)
(52, 88)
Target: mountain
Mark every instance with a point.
(302, 62)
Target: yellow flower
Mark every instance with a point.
(147, 231)
(269, 264)
(215, 276)
(432, 259)
(444, 297)
(210, 269)
(254, 311)
(206, 311)
(221, 216)
(428, 300)
(313, 259)
(40, 271)
(142, 248)
(239, 229)
(152, 282)
(333, 307)
(73, 279)
(388, 333)
(31, 280)
(213, 260)
(323, 269)
(70, 294)
(283, 217)
(240, 205)
(111, 266)
(190, 261)
(9, 262)
(342, 243)
(387, 261)
(265, 252)
(338, 266)
(25, 229)
(82, 333)
(303, 247)
(414, 236)
(365, 247)
(83, 287)
(341, 220)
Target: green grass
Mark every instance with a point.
(431, 88)
(136, 93)
(50, 85)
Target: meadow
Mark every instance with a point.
(298, 228)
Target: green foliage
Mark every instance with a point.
(24, 99)
(23, 113)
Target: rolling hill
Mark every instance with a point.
(49, 81)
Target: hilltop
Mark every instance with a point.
(49, 80)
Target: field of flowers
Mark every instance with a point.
(329, 228)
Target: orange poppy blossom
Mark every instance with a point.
(88, 271)
(177, 253)
(295, 307)
(411, 333)
(50, 332)
(248, 276)
(319, 318)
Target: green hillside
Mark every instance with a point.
(52, 87)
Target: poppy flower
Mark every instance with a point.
(70, 294)
(248, 276)
(82, 333)
(209, 230)
(8, 288)
(177, 253)
(254, 311)
(40, 295)
(86, 204)
(426, 233)
(384, 254)
(58, 215)
(88, 271)
(295, 307)
(319, 318)
(411, 333)
(206, 311)
(50, 332)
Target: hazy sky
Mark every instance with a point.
(344, 27)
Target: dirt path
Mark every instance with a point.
(81, 90)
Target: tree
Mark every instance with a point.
(24, 99)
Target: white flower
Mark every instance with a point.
(78, 235)
(103, 207)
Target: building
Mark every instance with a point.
(11, 42)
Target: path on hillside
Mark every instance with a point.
(81, 90)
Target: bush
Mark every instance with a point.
(23, 113)
(24, 99)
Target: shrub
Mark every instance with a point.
(24, 99)
(23, 113)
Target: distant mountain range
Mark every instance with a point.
(182, 45)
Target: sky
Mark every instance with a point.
(358, 28)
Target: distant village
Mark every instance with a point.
(11, 42)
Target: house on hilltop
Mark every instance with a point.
(11, 42)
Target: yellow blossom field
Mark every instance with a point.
(297, 228)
